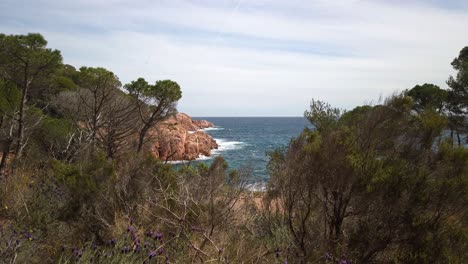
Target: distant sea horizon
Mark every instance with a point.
(245, 141)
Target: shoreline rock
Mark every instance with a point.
(179, 138)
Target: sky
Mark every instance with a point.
(255, 57)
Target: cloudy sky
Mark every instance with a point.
(255, 57)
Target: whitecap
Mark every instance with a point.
(200, 158)
(224, 145)
(212, 128)
(257, 187)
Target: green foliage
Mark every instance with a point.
(377, 184)
(82, 180)
(165, 90)
(26, 53)
(97, 78)
(9, 98)
(374, 185)
(322, 115)
(428, 96)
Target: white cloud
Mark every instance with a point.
(265, 57)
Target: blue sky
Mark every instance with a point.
(256, 57)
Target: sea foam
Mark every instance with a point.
(224, 145)
(212, 128)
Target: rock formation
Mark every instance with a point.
(180, 138)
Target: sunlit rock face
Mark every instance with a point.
(180, 138)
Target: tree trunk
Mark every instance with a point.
(451, 136)
(141, 138)
(20, 136)
(5, 153)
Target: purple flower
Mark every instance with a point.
(150, 233)
(78, 253)
(137, 248)
(152, 254)
(158, 236)
(132, 220)
(328, 256)
(131, 229)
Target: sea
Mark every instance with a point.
(245, 141)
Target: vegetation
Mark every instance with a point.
(384, 183)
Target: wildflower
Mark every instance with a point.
(131, 229)
(161, 251)
(152, 254)
(113, 241)
(125, 250)
(132, 220)
(28, 236)
(137, 248)
(328, 256)
(150, 233)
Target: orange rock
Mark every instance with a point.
(178, 138)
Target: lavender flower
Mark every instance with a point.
(152, 254)
(150, 233)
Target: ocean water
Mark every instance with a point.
(246, 140)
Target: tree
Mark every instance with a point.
(372, 185)
(106, 114)
(23, 59)
(428, 95)
(154, 102)
(120, 123)
(9, 102)
(458, 95)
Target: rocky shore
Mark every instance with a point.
(181, 138)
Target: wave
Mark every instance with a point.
(212, 128)
(224, 145)
(257, 187)
(200, 158)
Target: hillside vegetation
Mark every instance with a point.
(382, 183)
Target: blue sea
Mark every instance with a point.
(245, 141)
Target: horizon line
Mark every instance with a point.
(246, 116)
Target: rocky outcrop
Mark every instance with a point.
(180, 138)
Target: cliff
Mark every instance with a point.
(180, 138)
